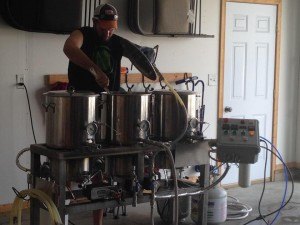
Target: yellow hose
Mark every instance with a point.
(170, 87)
(178, 98)
(17, 206)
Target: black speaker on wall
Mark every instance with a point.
(50, 16)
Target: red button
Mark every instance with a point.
(251, 133)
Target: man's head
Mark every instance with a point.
(105, 20)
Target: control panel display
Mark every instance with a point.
(238, 140)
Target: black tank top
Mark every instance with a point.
(107, 55)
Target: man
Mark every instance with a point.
(95, 53)
(95, 56)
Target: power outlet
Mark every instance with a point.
(20, 79)
(212, 80)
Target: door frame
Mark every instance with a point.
(278, 3)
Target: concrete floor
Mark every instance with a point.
(140, 215)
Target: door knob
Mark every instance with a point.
(227, 109)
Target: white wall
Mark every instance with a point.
(35, 55)
(296, 59)
(289, 76)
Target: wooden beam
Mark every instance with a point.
(132, 78)
(170, 77)
(6, 208)
(276, 87)
(221, 59)
(53, 78)
(290, 165)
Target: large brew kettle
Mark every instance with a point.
(125, 117)
(70, 118)
(168, 115)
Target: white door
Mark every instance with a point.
(249, 72)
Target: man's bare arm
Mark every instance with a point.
(76, 55)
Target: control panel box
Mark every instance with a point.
(238, 140)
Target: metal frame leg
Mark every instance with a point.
(60, 175)
(34, 204)
(203, 202)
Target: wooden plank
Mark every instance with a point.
(276, 87)
(170, 77)
(6, 208)
(132, 78)
(221, 59)
(53, 78)
(290, 165)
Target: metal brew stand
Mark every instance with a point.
(59, 158)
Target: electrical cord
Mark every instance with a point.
(286, 180)
(208, 124)
(18, 161)
(291, 194)
(216, 168)
(30, 113)
(237, 210)
(292, 181)
(286, 183)
(264, 186)
(209, 155)
(33, 133)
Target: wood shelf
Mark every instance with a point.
(132, 78)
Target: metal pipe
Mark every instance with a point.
(196, 14)
(182, 194)
(134, 187)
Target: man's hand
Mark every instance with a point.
(100, 77)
